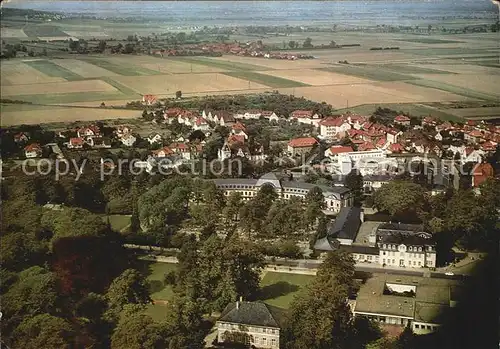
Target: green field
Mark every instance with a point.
(73, 97)
(444, 51)
(118, 222)
(155, 272)
(119, 86)
(430, 41)
(122, 69)
(410, 69)
(462, 91)
(51, 69)
(43, 30)
(421, 110)
(368, 72)
(221, 64)
(156, 311)
(268, 80)
(279, 289)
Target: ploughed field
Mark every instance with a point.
(440, 68)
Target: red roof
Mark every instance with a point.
(429, 120)
(76, 141)
(239, 126)
(366, 146)
(469, 150)
(149, 98)
(266, 113)
(396, 148)
(302, 114)
(381, 142)
(20, 135)
(482, 172)
(236, 139)
(201, 121)
(475, 133)
(338, 149)
(471, 123)
(392, 131)
(401, 118)
(488, 146)
(166, 150)
(332, 121)
(173, 112)
(182, 147)
(302, 142)
(33, 147)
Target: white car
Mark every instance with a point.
(449, 273)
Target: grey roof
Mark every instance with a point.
(303, 185)
(410, 240)
(253, 313)
(401, 227)
(346, 224)
(244, 181)
(362, 249)
(269, 178)
(327, 243)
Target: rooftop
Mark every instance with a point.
(253, 313)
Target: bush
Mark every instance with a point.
(170, 278)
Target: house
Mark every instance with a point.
(343, 231)
(21, 137)
(224, 152)
(335, 150)
(163, 152)
(472, 155)
(307, 117)
(269, 115)
(172, 114)
(332, 127)
(300, 146)
(474, 136)
(395, 148)
(481, 173)
(201, 124)
(393, 135)
(225, 118)
(429, 121)
(89, 131)
(122, 131)
(99, 142)
(149, 99)
(249, 114)
(33, 150)
(239, 129)
(254, 324)
(128, 140)
(182, 149)
(76, 143)
(402, 120)
(154, 138)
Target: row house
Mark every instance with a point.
(221, 118)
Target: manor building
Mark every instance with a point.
(335, 197)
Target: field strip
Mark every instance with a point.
(53, 70)
(268, 80)
(368, 73)
(454, 89)
(70, 97)
(121, 69)
(84, 69)
(120, 87)
(222, 64)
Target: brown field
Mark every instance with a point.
(477, 82)
(354, 55)
(16, 72)
(165, 65)
(340, 96)
(167, 84)
(82, 68)
(54, 114)
(108, 103)
(12, 33)
(466, 69)
(317, 77)
(277, 64)
(58, 87)
(86, 34)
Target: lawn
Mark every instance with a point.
(462, 91)
(156, 311)
(118, 222)
(155, 272)
(430, 41)
(368, 72)
(221, 64)
(268, 80)
(410, 108)
(122, 69)
(53, 70)
(279, 289)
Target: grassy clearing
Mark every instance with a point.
(156, 311)
(411, 69)
(73, 97)
(122, 69)
(155, 272)
(118, 222)
(268, 80)
(410, 108)
(462, 91)
(279, 289)
(221, 64)
(430, 41)
(367, 72)
(53, 70)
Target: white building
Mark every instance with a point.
(154, 138)
(128, 140)
(332, 127)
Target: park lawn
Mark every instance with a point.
(53, 70)
(430, 41)
(155, 272)
(462, 91)
(61, 98)
(156, 311)
(122, 69)
(221, 64)
(410, 108)
(368, 72)
(268, 80)
(279, 289)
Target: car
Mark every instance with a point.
(449, 273)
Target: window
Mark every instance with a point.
(369, 258)
(393, 261)
(414, 263)
(419, 263)
(383, 253)
(273, 342)
(385, 245)
(420, 249)
(383, 261)
(417, 326)
(264, 330)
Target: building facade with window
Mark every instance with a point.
(254, 323)
(335, 197)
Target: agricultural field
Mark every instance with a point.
(317, 78)
(221, 63)
(20, 73)
(476, 113)
(82, 68)
(367, 72)
(279, 289)
(264, 79)
(51, 69)
(66, 87)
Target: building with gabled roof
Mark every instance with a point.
(402, 120)
(481, 173)
(301, 145)
(343, 231)
(33, 150)
(256, 324)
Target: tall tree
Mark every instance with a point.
(315, 203)
(138, 331)
(44, 331)
(354, 181)
(402, 199)
(233, 206)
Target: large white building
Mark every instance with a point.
(335, 197)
